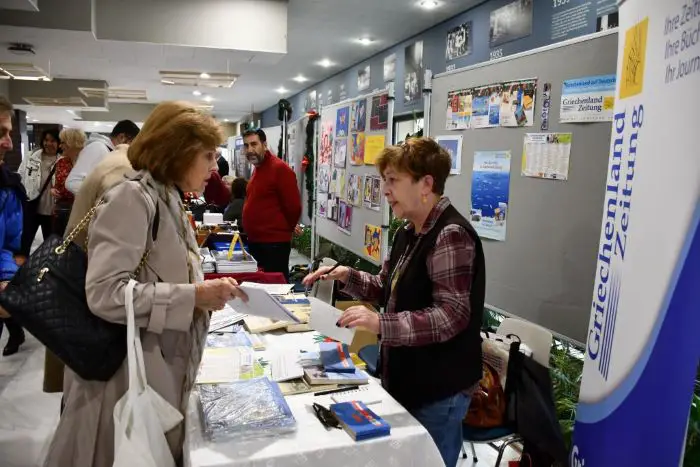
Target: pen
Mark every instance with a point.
(334, 391)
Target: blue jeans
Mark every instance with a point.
(443, 420)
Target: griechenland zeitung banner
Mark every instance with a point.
(643, 347)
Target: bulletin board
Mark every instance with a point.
(360, 128)
(296, 149)
(543, 271)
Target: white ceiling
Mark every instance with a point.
(317, 29)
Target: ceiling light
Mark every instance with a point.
(429, 4)
(204, 75)
(167, 81)
(326, 63)
(197, 92)
(282, 90)
(226, 119)
(207, 98)
(300, 79)
(365, 41)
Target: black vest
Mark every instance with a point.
(416, 376)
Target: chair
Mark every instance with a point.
(370, 355)
(540, 342)
(323, 290)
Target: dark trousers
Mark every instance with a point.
(15, 330)
(272, 257)
(31, 223)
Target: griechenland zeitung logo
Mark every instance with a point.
(576, 460)
(618, 211)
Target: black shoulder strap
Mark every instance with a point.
(156, 222)
(48, 181)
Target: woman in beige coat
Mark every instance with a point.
(174, 153)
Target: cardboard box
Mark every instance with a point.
(362, 337)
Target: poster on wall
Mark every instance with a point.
(495, 105)
(358, 149)
(490, 193)
(389, 68)
(379, 116)
(367, 190)
(373, 241)
(340, 152)
(518, 103)
(413, 74)
(342, 122)
(374, 144)
(345, 217)
(325, 153)
(323, 206)
(480, 107)
(363, 78)
(324, 178)
(337, 183)
(459, 41)
(453, 145)
(359, 115)
(459, 109)
(546, 155)
(310, 102)
(546, 104)
(376, 195)
(354, 189)
(332, 207)
(511, 22)
(589, 99)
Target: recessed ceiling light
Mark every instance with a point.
(281, 90)
(429, 4)
(226, 119)
(365, 40)
(207, 98)
(326, 63)
(197, 92)
(204, 75)
(300, 79)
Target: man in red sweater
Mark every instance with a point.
(272, 205)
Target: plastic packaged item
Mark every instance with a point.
(245, 409)
(227, 339)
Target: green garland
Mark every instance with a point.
(310, 157)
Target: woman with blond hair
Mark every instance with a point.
(72, 142)
(175, 152)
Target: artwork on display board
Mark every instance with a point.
(363, 78)
(413, 73)
(459, 109)
(325, 153)
(546, 155)
(389, 68)
(490, 193)
(480, 107)
(340, 152)
(459, 41)
(373, 241)
(376, 196)
(453, 145)
(511, 22)
(546, 104)
(367, 191)
(345, 217)
(589, 99)
(374, 144)
(495, 105)
(342, 122)
(310, 102)
(323, 206)
(358, 149)
(358, 114)
(337, 183)
(518, 103)
(379, 113)
(332, 209)
(324, 178)
(354, 190)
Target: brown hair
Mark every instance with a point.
(170, 139)
(5, 106)
(418, 157)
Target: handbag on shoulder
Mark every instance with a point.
(47, 298)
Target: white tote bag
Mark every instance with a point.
(141, 416)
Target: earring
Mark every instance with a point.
(425, 199)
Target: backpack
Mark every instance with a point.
(488, 406)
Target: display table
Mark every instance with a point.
(259, 277)
(311, 444)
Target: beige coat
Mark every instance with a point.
(111, 171)
(164, 307)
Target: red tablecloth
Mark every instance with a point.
(259, 277)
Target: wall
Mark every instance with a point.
(553, 21)
(4, 87)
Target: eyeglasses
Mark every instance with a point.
(325, 416)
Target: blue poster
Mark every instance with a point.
(490, 193)
(342, 122)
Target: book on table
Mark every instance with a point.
(301, 386)
(336, 357)
(317, 375)
(359, 421)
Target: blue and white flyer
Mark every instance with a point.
(590, 99)
(490, 193)
(642, 349)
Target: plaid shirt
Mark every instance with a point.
(450, 267)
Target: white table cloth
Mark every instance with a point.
(312, 445)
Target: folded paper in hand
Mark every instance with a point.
(323, 319)
(260, 303)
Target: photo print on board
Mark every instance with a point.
(310, 102)
(342, 93)
(363, 78)
(376, 200)
(379, 117)
(358, 120)
(340, 152)
(324, 178)
(330, 97)
(413, 76)
(325, 154)
(459, 41)
(323, 206)
(367, 191)
(373, 241)
(332, 207)
(358, 149)
(389, 68)
(345, 217)
(342, 122)
(609, 21)
(511, 22)
(354, 189)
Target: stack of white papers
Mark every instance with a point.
(208, 261)
(224, 318)
(225, 365)
(272, 289)
(237, 263)
(260, 303)
(285, 367)
(323, 318)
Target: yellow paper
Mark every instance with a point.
(634, 60)
(373, 146)
(373, 241)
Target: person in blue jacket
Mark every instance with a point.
(12, 195)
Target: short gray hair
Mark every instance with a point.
(5, 106)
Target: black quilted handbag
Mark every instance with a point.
(47, 298)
